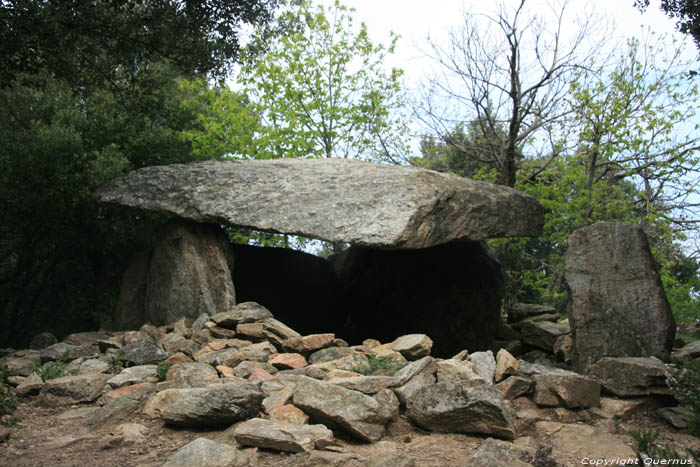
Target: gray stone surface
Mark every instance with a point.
(631, 376)
(212, 406)
(279, 436)
(73, 389)
(142, 352)
(132, 375)
(484, 364)
(333, 199)
(360, 415)
(450, 407)
(130, 313)
(495, 453)
(618, 305)
(206, 453)
(189, 274)
(561, 388)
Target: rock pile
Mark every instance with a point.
(282, 391)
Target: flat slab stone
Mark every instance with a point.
(337, 200)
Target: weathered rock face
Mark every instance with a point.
(189, 274)
(130, 312)
(450, 292)
(618, 306)
(333, 199)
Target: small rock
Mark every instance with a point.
(494, 453)
(514, 387)
(283, 436)
(284, 361)
(309, 343)
(132, 375)
(484, 365)
(206, 453)
(412, 346)
(631, 376)
(543, 334)
(288, 414)
(143, 352)
(506, 365)
(73, 389)
(557, 388)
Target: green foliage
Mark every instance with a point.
(117, 363)
(686, 387)
(53, 370)
(322, 89)
(162, 370)
(378, 365)
(648, 443)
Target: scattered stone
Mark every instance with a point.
(506, 365)
(21, 361)
(416, 375)
(285, 361)
(61, 349)
(73, 389)
(94, 365)
(246, 312)
(259, 374)
(42, 340)
(362, 416)
(246, 368)
(543, 334)
(143, 352)
(365, 384)
(276, 398)
(618, 304)
(495, 453)
(564, 348)
(137, 389)
(330, 354)
(453, 408)
(412, 346)
(310, 343)
(688, 351)
(578, 442)
(283, 436)
(288, 414)
(132, 375)
(212, 406)
(560, 388)
(175, 342)
(456, 370)
(630, 376)
(87, 339)
(484, 365)
(206, 453)
(191, 375)
(31, 386)
(514, 387)
(677, 417)
(222, 333)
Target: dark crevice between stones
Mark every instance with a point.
(450, 292)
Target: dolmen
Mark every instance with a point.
(416, 261)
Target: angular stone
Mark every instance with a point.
(132, 375)
(564, 348)
(630, 376)
(42, 340)
(453, 408)
(366, 384)
(414, 376)
(246, 312)
(484, 364)
(284, 361)
(246, 368)
(618, 304)
(212, 406)
(206, 453)
(506, 365)
(337, 200)
(560, 388)
(412, 346)
(543, 334)
(688, 351)
(61, 349)
(493, 453)
(21, 361)
(513, 387)
(94, 365)
(362, 416)
(174, 342)
(521, 311)
(578, 442)
(288, 414)
(31, 386)
(455, 370)
(189, 274)
(192, 375)
(73, 389)
(283, 436)
(330, 354)
(87, 338)
(309, 343)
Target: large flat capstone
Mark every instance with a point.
(337, 200)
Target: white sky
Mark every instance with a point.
(413, 20)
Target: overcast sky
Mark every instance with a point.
(413, 20)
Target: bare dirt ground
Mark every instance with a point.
(57, 437)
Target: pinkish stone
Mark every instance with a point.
(285, 361)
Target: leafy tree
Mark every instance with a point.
(89, 90)
(323, 89)
(686, 13)
(509, 72)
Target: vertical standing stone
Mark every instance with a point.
(189, 273)
(618, 307)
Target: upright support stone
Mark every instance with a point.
(189, 274)
(618, 307)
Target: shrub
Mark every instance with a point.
(647, 443)
(378, 365)
(686, 386)
(162, 370)
(53, 370)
